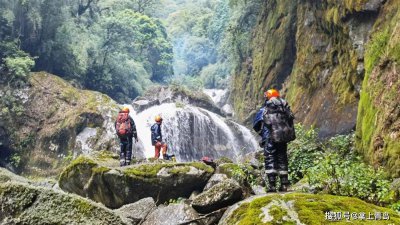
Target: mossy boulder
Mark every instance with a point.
(25, 204)
(117, 186)
(297, 208)
(218, 196)
(6, 175)
(60, 121)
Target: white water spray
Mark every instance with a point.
(193, 132)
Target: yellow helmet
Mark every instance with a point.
(125, 110)
(158, 118)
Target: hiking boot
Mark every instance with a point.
(122, 163)
(284, 183)
(283, 188)
(165, 157)
(271, 183)
(271, 189)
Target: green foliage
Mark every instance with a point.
(342, 172)
(20, 67)
(175, 201)
(304, 152)
(349, 176)
(15, 159)
(15, 64)
(396, 206)
(242, 173)
(100, 45)
(333, 167)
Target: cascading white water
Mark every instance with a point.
(193, 132)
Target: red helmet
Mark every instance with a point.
(271, 93)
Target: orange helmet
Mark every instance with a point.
(271, 93)
(125, 110)
(158, 119)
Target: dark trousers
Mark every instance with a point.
(125, 155)
(276, 160)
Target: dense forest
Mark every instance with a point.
(122, 47)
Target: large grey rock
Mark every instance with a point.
(172, 214)
(219, 196)
(117, 186)
(136, 212)
(215, 179)
(25, 204)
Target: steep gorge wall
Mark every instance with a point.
(314, 52)
(337, 64)
(378, 122)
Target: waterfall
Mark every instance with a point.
(192, 132)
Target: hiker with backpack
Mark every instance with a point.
(156, 139)
(274, 123)
(126, 131)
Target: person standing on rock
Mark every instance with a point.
(126, 131)
(274, 123)
(156, 139)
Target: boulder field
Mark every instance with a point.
(94, 190)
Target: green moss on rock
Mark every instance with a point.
(378, 122)
(24, 204)
(55, 113)
(295, 208)
(117, 186)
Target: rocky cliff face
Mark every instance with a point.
(337, 64)
(314, 51)
(378, 123)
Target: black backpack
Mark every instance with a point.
(280, 121)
